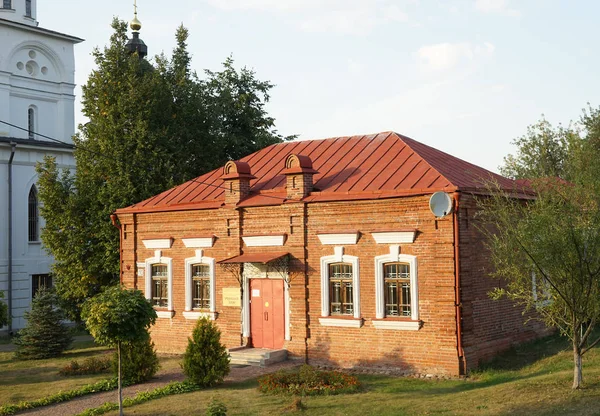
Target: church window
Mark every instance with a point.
(6, 4)
(33, 215)
(28, 8)
(31, 123)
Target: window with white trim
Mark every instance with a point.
(396, 291)
(396, 279)
(28, 8)
(340, 290)
(31, 123)
(6, 4)
(159, 284)
(200, 290)
(200, 286)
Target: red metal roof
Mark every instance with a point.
(373, 166)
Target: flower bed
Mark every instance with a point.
(308, 381)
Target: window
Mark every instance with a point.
(39, 281)
(160, 288)
(159, 283)
(6, 4)
(396, 291)
(340, 294)
(340, 289)
(31, 123)
(199, 287)
(33, 215)
(28, 8)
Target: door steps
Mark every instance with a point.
(258, 357)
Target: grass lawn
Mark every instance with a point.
(532, 380)
(29, 380)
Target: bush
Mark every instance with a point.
(307, 381)
(216, 408)
(3, 311)
(45, 335)
(205, 361)
(91, 365)
(139, 362)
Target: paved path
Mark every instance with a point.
(78, 405)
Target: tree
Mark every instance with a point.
(3, 311)
(542, 152)
(45, 335)
(117, 316)
(554, 239)
(205, 361)
(150, 127)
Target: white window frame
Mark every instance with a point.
(395, 257)
(189, 312)
(159, 259)
(326, 318)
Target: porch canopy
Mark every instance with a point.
(263, 258)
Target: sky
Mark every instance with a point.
(464, 76)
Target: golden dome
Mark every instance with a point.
(135, 24)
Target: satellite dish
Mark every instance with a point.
(440, 204)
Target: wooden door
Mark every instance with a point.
(267, 313)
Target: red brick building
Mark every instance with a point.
(329, 249)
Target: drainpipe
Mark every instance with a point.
(13, 145)
(457, 286)
(113, 219)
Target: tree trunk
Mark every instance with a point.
(577, 374)
(119, 381)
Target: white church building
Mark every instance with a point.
(37, 81)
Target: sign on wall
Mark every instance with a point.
(231, 296)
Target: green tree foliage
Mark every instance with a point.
(45, 335)
(205, 362)
(151, 126)
(118, 316)
(547, 249)
(3, 311)
(139, 361)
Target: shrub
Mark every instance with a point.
(307, 381)
(91, 365)
(45, 335)
(205, 361)
(216, 408)
(3, 311)
(139, 362)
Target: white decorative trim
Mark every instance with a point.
(195, 315)
(398, 325)
(346, 323)
(339, 238)
(159, 259)
(394, 237)
(395, 256)
(141, 265)
(264, 240)
(246, 306)
(158, 243)
(339, 257)
(165, 314)
(189, 262)
(199, 242)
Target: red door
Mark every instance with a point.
(267, 320)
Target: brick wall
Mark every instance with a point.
(488, 326)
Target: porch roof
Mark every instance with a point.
(263, 258)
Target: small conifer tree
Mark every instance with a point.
(139, 361)
(205, 362)
(45, 335)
